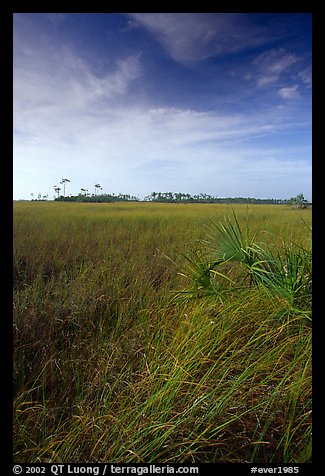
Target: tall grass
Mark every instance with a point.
(111, 367)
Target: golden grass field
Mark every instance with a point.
(113, 364)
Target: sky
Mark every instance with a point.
(215, 103)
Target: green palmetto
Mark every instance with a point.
(205, 279)
(207, 271)
(228, 242)
(286, 272)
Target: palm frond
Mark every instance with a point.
(204, 279)
(288, 273)
(285, 272)
(228, 242)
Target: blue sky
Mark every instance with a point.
(194, 103)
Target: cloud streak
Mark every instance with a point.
(189, 38)
(272, 65)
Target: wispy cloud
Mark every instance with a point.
(306, 76)
(289, 93)
(189, 37)
(51, 96)
(271, 64)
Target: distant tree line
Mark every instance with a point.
(171, 197)
(98, 198)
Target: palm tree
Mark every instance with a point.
(57, 189)
(64, 180)
(96, 187)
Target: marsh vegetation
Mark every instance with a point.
(150, 332)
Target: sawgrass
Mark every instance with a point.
(112, 366)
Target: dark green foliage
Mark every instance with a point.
(99, 198)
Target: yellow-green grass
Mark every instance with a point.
(111, 367)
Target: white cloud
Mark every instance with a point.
(272, 64)
(276, 61)
(265, 80)
(289, 93)
(56, 95)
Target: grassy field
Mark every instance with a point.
(115, 363)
